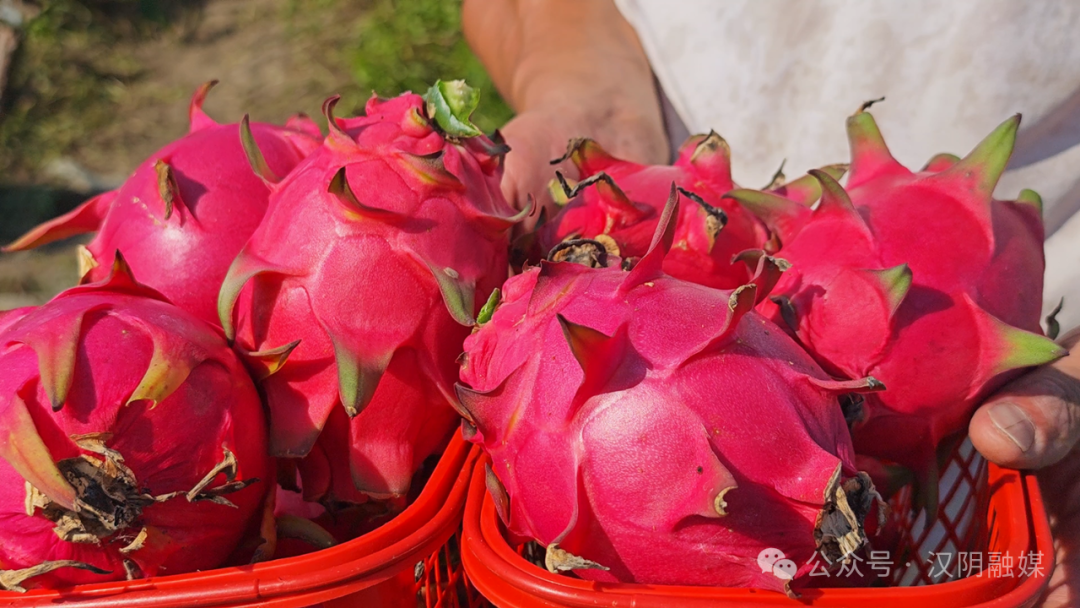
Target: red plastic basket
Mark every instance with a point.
(409, 561)
(986, 511)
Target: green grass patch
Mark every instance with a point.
(61, 87)
(76, 64)
(408, 44)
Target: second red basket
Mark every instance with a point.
(991, 522)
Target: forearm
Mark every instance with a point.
(547, 53)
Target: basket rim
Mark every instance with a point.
(507, 579)
(353, 565)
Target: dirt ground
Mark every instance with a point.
(273, 58)
(257, 49)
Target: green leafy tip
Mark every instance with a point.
(357, 378)
(450, 104)
(1025, 349)
(990, 157)
(458, 293)
(1030, 197)
(24, 449)
(489, 307)
(254, 154)
(895, 283)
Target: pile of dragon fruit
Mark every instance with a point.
(277, 330)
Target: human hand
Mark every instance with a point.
(570, 69)
(1034, 423)
(539, 135)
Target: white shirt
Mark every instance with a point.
(777, 78)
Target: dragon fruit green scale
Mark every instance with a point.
(360, 284)
(648, 429)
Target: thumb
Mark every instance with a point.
(1033, 421)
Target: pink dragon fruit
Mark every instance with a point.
(133, 439)
(353, 296)
(922, 280)
(624, 205)
(185, 213)
(647, 429)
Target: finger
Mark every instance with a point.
(522, 187)
(528, 169)
(1035, 420)
(524, 179)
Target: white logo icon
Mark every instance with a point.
(773, 561)
(768, 557)
(785, 569)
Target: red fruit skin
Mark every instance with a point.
(944, 331)
(168, 444)
(618, 448)
(183, 247)
(362, 283)
(702, 252)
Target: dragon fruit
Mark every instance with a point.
(133, 440)
(353, 296)
(185, 212)
(648, 429)
(624, 204)
(921, 280)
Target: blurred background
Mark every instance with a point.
(93, 87)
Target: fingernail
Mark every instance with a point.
(1014, 422)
